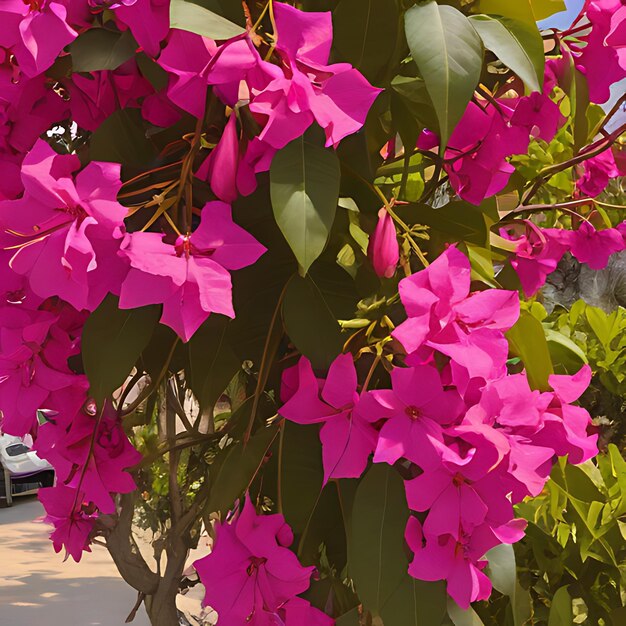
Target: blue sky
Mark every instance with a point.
(565, 18)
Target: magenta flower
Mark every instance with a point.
(305, 90)
(95, 96)
(299, 612)
(66, 228)
(597, 172)
(148, 20)
(190, 278)
(537, 255)
(467, 488)
(444, 316)
(414, 413)
(383, 250)
(33, 366)
(251, 575)
(91, 454)
(220, 167)
(602, 64)
(73, 526)
(459, 562)
(594, 247)
(347, 438)
(36, 32)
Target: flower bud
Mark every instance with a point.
(383, 250)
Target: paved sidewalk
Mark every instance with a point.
(37, 588)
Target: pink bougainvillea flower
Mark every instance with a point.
(61, 223)
(73, 526)
(347, 439)
(538, 114)
(568, 428)
(477, 151)
(190, 278)
(148, 20)
(443, 315)
(33, 365)
(251, 574)
(91, 454)
(537, 255)
(594, 247)
(299, 612)
(94, 96)
(36, 33)
(220, 167)
(597, 172)
(414, 413)
(459, 562)
(602, 64)
(383, 249)
(337, 96)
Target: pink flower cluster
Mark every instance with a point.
(284, 98)
(476, 439)
(251, 576)
(65, 242)
(539, 250)
(487, 135)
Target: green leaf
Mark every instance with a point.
(351, 618)
(237, 468)
(304, 187)
(196, 19)
(561, 613)
(121, 138)
(101, 49)
(112, 341)
(212, 361)
(517, 44)
(415, 603)
(527, 340)
(503, 574)
(376, 558)
(365, 32)
(449, 55)
(301, 473)
(463, 617)
(310, 323)
(530, 11)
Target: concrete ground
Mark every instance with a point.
(38, 588)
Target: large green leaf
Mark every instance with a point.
(365, 32)
(301, 473)
(304, 187)
(517, 44)
(528, 342)
(196, 19)
(561, 613)
(415, 603)
(377, 561)
(530, 11)
(310, 323)
(463, 617)
(503, 574)
(112, 341)
(121, 138)
(236, 469)
(449, 55)
(101, 49)
(212, 360)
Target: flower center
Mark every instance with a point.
(255, 563)
(458, 480)
(413, 412)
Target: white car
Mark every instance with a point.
(21, 470)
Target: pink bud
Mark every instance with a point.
(383, 249)
(220, 167)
